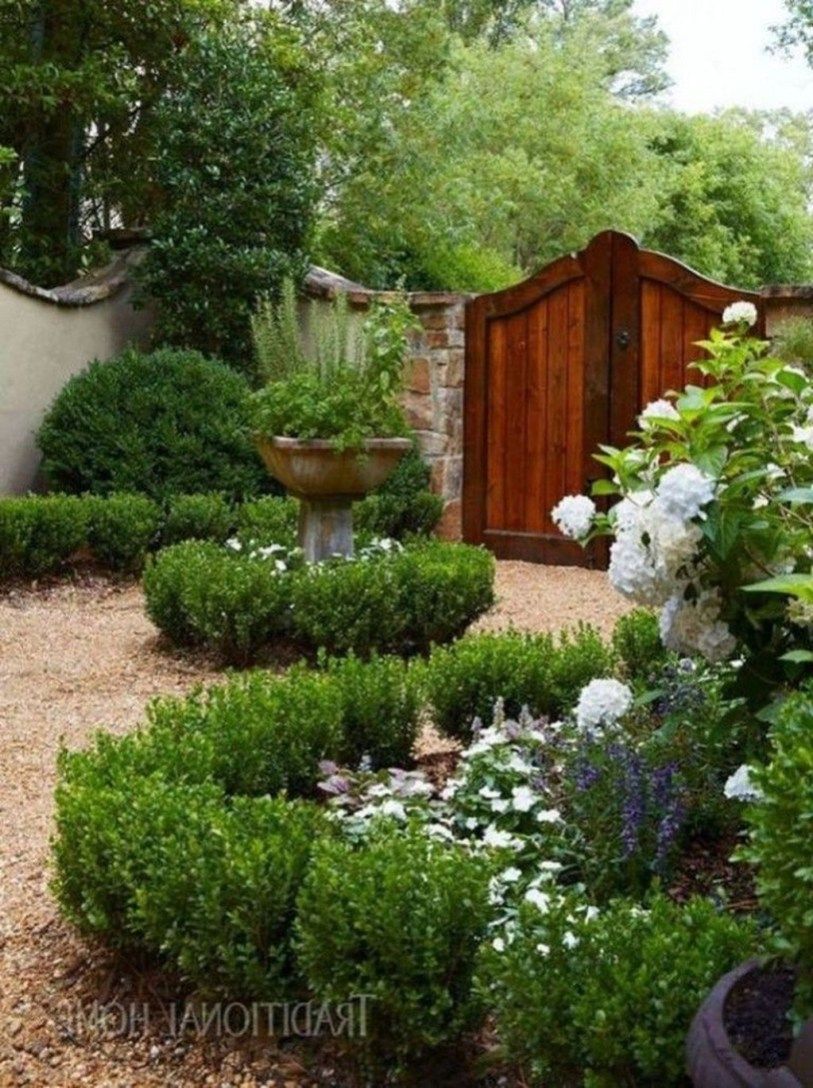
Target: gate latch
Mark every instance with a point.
(622, 338)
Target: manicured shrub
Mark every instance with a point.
(403, 506)
(219, 893)
(426, 593)
(170, 422)
(346, 606)
(197, 517)
(380, 707)
(198, 593)
(271, 520)
(399, 920)
(607, 1000)
(443, 588)
(545, 674)
(38, 533)
(174, 869)
(779, 845)
(257, 734)
(637, 642)
(121, 529)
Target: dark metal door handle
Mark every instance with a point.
(622, 338)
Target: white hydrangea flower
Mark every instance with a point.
(631, 570)
(739, 312)
(655, 410)
(602, 703)
(695, 627)
(683, 491)
(498, 944)
(673, 546)
(574, 515)
(739, 786)
(548, 816)
(570, 940)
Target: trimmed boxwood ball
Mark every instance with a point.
(400, 920)
(606, 998)
(270, 520)
(544, 673)
(200, 594)
(177, 870)
(122, 528)
(429, 592)
(163, 423)
(38, 533)
(380, 705)
(197, 517)
(637, 641)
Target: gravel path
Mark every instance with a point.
(76, 658)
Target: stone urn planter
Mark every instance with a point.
(713, 1060)
(327, 482)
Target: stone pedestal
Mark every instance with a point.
(327, 482)
(325, 527)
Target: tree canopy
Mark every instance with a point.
(453, 144)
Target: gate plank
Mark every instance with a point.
(536, 507)
(515, 419)
(496, 424)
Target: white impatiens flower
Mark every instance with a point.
(695, 627)
(394, 809)
(657, 410)
(683, 491)
(574, 515)
(602, 703)
(804, 434)
(540, 899)
(739, 312)
(739, 786)
(523, 798)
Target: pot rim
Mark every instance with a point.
(284, 442)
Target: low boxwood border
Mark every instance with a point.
(237, 604)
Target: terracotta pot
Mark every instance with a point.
(712, 1061)
(327, 482)
(313, 467)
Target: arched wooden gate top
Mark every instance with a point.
(561, 363)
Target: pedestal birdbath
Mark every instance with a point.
(327, 482)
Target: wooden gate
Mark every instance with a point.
(561, 363)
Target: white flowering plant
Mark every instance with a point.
(714, 526)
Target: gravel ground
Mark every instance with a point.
(78, 657)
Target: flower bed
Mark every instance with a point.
(240, 598)
(261, 840)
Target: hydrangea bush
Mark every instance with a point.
(714, 523)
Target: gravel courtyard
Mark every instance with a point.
(78, 657)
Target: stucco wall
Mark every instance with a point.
(47, 336)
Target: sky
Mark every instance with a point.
(719, 55)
